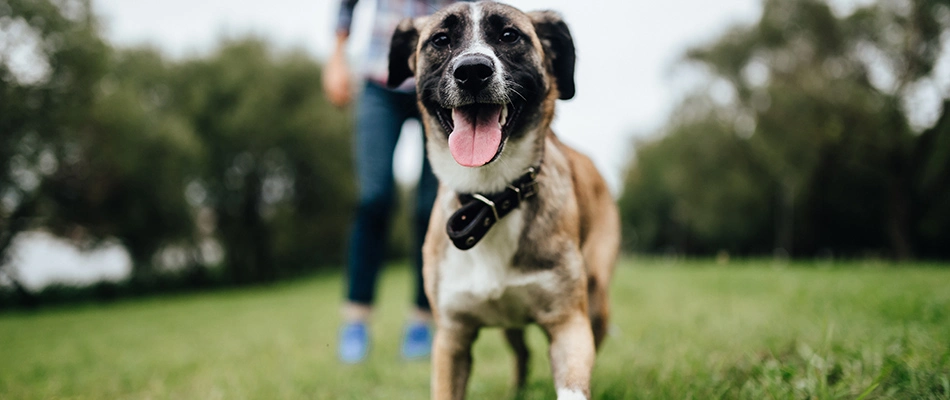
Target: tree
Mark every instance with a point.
(49, 65)
(698, 189)
(277, 170)
(821, 102)
(90, 150)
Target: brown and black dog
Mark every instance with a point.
(524, 229)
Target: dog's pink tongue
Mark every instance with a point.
(477, 135)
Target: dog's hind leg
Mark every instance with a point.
(515, 339)
(598, 308)
(600, 255)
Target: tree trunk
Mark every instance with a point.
(898, 230)
(18, 222)
(785, 217)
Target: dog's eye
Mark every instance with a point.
(440, 40)
(510, 35)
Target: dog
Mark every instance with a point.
(524, 229)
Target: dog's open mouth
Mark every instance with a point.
(477, 132)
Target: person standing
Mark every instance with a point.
(380, 114)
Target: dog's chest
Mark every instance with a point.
(482, 283)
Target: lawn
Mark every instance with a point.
(680, 330)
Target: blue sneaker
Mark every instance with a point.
(354, 342)
(417, 342)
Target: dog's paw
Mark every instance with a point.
(569, 394)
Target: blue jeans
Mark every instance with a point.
(380, 115)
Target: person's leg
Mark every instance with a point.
(418, 338)
(425, 195)
(378, 123)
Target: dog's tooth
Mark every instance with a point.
(504, 115)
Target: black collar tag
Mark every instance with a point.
(468, 225)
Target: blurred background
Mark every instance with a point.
(155, 146)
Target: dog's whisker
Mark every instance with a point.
(519, 95)
(514, 88)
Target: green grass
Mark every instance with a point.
(680, 330)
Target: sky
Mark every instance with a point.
(40, 258)
(627, 53)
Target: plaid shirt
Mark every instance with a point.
(388, 15)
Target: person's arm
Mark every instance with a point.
(336, 74)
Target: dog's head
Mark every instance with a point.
(487, 76)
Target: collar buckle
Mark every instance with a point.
(489, 203)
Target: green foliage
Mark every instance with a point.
(86, 151)
(43, 109)
(277, 170)
(748, 330)
(715, 190)
(238, 149)
(803, 146)
(85, 154)
(133, 159)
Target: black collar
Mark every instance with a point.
(480, 212)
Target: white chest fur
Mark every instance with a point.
(482, 282)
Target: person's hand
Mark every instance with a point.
(336, 76)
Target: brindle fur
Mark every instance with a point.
(569, 232)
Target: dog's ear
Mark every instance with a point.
(402, 53)
(558, 48)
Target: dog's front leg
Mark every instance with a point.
(451, 361)
(572, 356)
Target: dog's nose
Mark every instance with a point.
(473, 72)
